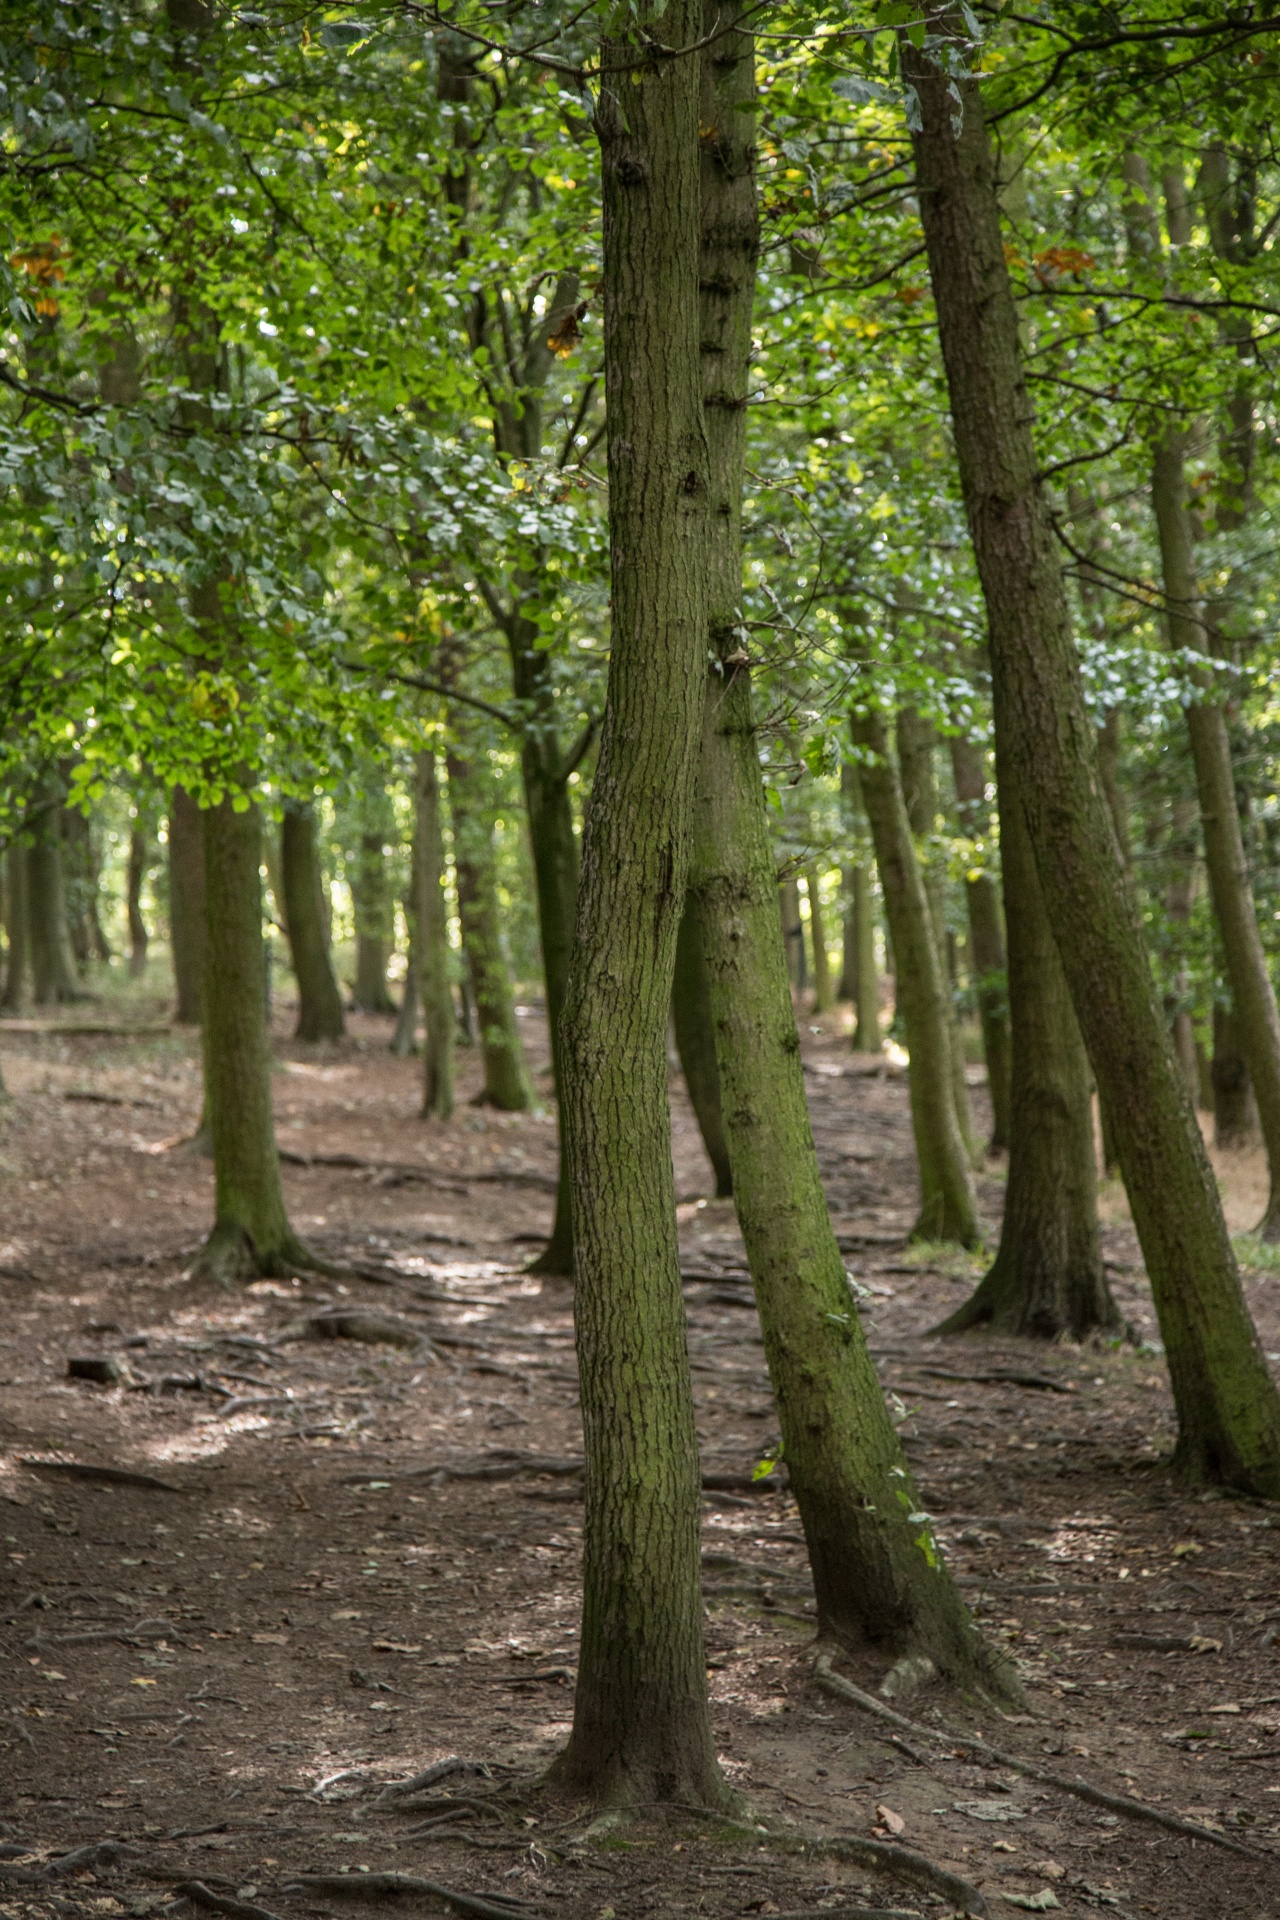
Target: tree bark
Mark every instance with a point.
(506, 1073)
(53, 969)
(251, 1232)
(371, 898)
(860, 931)
(1228, 1407)
(1178, 901)
(135, 875)
(1235, 1110)
(696, 1043)
(1047, 1278)
(948, 1207)
(433, 925)
(823, 996)
(642, 1728)
(986, 943)
(404, 1041)
(793, 933)
(17, 926)
(876, 1576)
(320, 1015)
(186, 904)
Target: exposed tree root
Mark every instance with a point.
(202, 1896)
(987, 1755)
(902, 1864)
(381, 1886)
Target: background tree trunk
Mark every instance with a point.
(320, 1015)
(860, 930)
(135, 876)
(53, 970)
(793, 933)
(986, 943)
(948, 1207)
(18, 961)
(433, 924)
(823, 993)
(506, 1073)
(1228, 1407)
(642, 1729)
(186, 904)
(696, 1043)
(1235, 1112)
(251, 1233)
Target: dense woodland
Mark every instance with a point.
(607, 552)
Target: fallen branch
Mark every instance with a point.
(980, 1750)
(1000, 1376)
(430, 1776)
(380, 1886)
(109, 1476)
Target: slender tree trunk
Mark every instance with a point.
(251, 1233)
(506, 1073)
(186, 904)
(52, 963)
(1228, 1407)
(404, 1041)
(320, 1015)
(81, 880)
(1047, 1278)
(1235, 1110)
(433, 924)
(986, 943)
(17, 926)
(136, 874)
(642, 1728)
(875, 1573)
(1178, 901)
(1253, 995)
(860, 930)
(696, 1043)
(916, 742)
(371, 898)
(792, 932)
(948, 1207)
(823, 994)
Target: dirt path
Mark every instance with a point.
(365, 1556)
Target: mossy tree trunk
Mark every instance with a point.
(1235, 1111)
(320, 1015)
(135, 877)
(18, 960)
(860, 978)
(186, 904)
(53, 970)
(435, 958)
(506, 1072)
(986, 940)
(875, 1575)
(696, 1044)
(1228, 1406)
(641, 1728)
(948, 1206)
(371, 898)
(1178, 901)
(1047, 1278)
(251, 1232)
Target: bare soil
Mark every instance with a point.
(365, 1557)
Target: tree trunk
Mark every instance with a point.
(860, 931)
(80, 879)
(793, 933)
(1235, 1110)
(17, 926)
(371, 899)
(986, 942)
(320, 1015)
(876, 1576)
(136, 874)
(404, 1041)
(251, 1233)
(1047, 1278)
(52, 963)
(920, 793)
(1253, 996)
(506, 1073)
(823, 996)
(186, 904)
(1228, 1407)
(433, 925)
(1178, 901)
(696, 1043)
(642, 1728)
(948, 1208)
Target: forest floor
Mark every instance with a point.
(357, 1565)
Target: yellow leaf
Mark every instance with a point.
(142, 1683)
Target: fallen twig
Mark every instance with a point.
(843, 1689)
(379, 1886)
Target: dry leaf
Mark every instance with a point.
(894, 1821)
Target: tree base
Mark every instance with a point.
(1036, 1308)
(615, 1784)
(555, 1262)
(1268, 1228)
(229, 1259)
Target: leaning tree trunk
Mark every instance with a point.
(506, 1073)
(320, 1015)
(876, 1576)
(18, 960)
(186, 904)
(695, 1042)
(251, 1233)
(948, 1207)
(642, 1727)
(860, 932)
(1047, 1278)
(135, 875)
(986, 942)
(1178, 901)
(1253, 997)
(53, 970)
(434, 956)
(1228, 1406)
